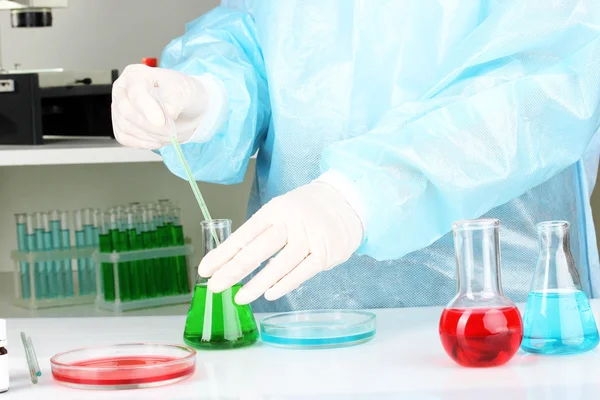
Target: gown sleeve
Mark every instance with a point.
(223, 43)
(518, 101)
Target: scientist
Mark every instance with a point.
(378, 124)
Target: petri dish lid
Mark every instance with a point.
(318, 329)
(124, 366)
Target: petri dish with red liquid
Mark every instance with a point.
(124, 366)
(480, 327)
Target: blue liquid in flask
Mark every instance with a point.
(559, 322)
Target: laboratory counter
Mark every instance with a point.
(404, 361)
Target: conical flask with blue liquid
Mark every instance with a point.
(558, 318)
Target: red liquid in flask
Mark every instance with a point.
(481, 337)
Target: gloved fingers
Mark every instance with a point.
(125, 109)
(130, 141)
(256, 225)
(125, 136)
(303, 272)
(126, 125)
(141, 93)
(128, 134)
(277, 268)
(248, 259)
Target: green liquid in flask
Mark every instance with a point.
(215, 321)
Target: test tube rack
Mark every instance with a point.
(119, 265)
(36, 258)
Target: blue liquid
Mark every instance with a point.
(51, 268)
(90, 240)
(57, 265)
(66, 266)
(82, 273)
(41, 268)
(559, 322)
(23, 266)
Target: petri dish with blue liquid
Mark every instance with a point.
(318, 329)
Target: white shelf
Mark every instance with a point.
(64, 151)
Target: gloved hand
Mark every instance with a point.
(314, 227)
(196, 104)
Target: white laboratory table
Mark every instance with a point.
(404, 361)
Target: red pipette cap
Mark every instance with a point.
(151, 62)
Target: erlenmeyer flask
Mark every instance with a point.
(480, 327)
(214, 320)
(558, 318)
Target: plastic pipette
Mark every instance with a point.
(186, 167)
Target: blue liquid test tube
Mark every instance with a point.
(41, 272)
(65, 241)
(89, 231)
(57, 267)
(31, 246)
(22, 246)
(81, 262)
(51, 266)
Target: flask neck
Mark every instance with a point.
(555, 268)
(214, 232)
(478, 260)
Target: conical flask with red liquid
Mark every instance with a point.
(480, 327)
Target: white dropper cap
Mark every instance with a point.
(2, 332)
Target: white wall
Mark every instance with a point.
(103, 34)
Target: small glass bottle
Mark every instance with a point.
(214, 320)
(558, 318)
(480, 327)
(4, 383)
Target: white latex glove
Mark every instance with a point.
(315, 228)
(196, 104)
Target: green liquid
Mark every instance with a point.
(108, 276)
(219, 323)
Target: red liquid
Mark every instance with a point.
(481, 337)
(118, 371)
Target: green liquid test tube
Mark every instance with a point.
(65, 242)
(21, 220)
(105, 247)
(138, 286)
(176, 238)
(164, 284)
(57, 268)
(118, 237)
(151, 266)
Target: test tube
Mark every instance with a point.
(118, 237)
(41, 266)
(65, 242)
(89, 230)
(51, 268)
(35, 267)
(136, 276)
(80, 243)
(151, 266)
(165, 263)
(21, 220)
(176, 238)
(57, 266)
(105, 246)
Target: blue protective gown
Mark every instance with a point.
(436, 110)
